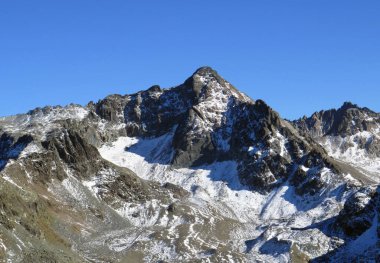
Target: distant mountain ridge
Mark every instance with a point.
(350, 133)
(347, 120)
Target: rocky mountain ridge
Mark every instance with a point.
(350, 134)
(195, 173)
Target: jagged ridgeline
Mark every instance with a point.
(195, 173)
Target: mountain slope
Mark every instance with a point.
(196, 173)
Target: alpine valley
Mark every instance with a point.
(196, 173)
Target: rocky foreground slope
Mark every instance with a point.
(196, 173)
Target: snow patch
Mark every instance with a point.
(349, 150)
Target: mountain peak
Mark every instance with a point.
(347, 120)
(206, 80)
(205, 70)
(348, 105)
(205, 75)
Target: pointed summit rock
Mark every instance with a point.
(348, 105)
(205, 79)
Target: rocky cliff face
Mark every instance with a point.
(198, 172)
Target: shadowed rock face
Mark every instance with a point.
(71, 205)
(12, 146)
(74, 151)
(358, 213)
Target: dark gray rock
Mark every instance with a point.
(358, 212)
(11, 146)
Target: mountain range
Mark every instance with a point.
(195, 173)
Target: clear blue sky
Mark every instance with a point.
(299, 56)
